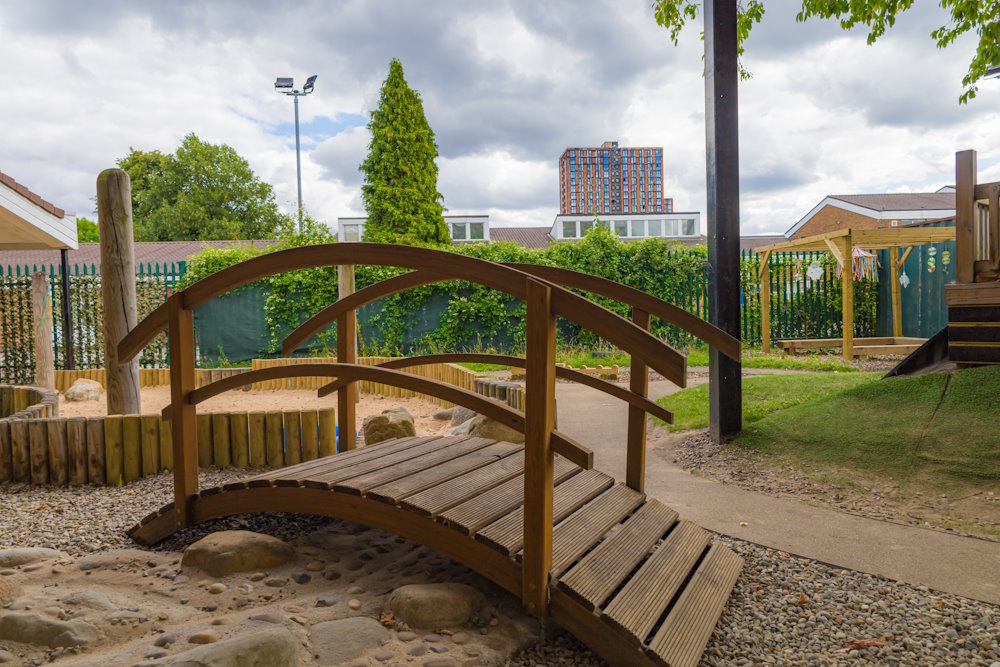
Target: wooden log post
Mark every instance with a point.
(239, 437)
(76, 446)
(327, 431)
(274, 441)
(6, 473)
(347, 353)
(965, 216)
(20, 451)
(895, 289)
(58, 452)
(293, 436)
(131, 448)
(38, 443)
(635, 461)
(113, 449)
(221, 451)
(114, 220)
(539, 420)
(764, 278)
(310, 435)
(96, 465)
(257, 440)
(184, 417)
(41, 311)
(150, 426)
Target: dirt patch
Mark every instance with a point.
(977, 514)
(154, 399)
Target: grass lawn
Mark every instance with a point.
(753, 358)
(762, 395)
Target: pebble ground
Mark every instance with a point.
(784, 610)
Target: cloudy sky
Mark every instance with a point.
(506, 87)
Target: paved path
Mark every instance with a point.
(962, 565)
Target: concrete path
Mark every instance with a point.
(962, 565)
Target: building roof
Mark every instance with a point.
(755, 241)
(528, 237)
(146, 252)
(28, 221)
(886, 206)
(902, 201)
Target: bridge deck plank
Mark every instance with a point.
(435, 500)
(414, 463)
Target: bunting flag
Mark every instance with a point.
(864, 264)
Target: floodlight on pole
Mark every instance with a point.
(286, 86)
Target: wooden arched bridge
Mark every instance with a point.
(621, 571)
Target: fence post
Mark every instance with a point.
(184, 428)
(67, 311)
(114, 218)
(41, 309)
(764, 278)
(539, 420)
(965, 216)
(635, 461)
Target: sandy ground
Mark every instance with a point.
(154, 399)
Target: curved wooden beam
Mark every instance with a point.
(561, 443)
(145, 331)
(664, 310)
(619, 331)
(507, 360)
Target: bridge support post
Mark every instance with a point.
(539, 420)
(635, 462)
(346, 395)
(184, 429)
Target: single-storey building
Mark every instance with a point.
(873, 211)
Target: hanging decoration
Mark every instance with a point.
(904, 280)
(815, 270)
(931, 262)
(864, 265)
(945, 258)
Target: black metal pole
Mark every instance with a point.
(67, 311)
(722, 143)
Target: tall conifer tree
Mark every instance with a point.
(400, 175)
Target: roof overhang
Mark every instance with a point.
(868, 239)
(26, 226)
(904, 214)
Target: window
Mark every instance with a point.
(477, 231)
(670, 228)
(638, 228)
(351, 233)
(621, 227)
(687, 227)
(458, 231)
(656, 228)
(569, 229)
(585, 226)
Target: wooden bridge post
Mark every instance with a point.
(184, 429)
(346, 354)
(965, 216)
(635, 461)
(539, 420)
(764, 278)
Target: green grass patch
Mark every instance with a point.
(885, 430)
(484, 368)
(762, 395)
(753, 358)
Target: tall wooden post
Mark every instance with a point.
(114, 221)
(723, 215)
(539, 420)
(965, 216)
(764, 278)
(897, 310)
(635, 462)
(184, 427)
(41, 311)
(347, 353)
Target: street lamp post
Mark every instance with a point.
(285, 85)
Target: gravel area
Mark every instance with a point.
(784, 610)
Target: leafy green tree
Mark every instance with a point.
(400, 175)
(980, 16)
(86, 231)
(202, 191)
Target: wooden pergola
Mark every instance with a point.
(841, 245)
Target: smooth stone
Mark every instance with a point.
(269, 617)
(89, 599)
(460, 415)
(354, 604)
(258, 576)
(166, 639)
(326, 601)
(441, 662)
(215, 589)
(204, 637)
(339, 641)
(392, 423)
(435, 605)
(484, 427)
(39, 630)
(417, 650)
(315, 566)
(331, 575)
(438, 648)
(461, 638)
(228, 551)
(25, 555)
(8, 591)
(83, 390)
(406, 636)
(222, 620)
(274, 647)
(384, 655)
(7, 656)
(276, 582)
(432, 637)
(355, 590)
(301, 577)
(153, 655)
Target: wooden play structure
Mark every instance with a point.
(899, 241)
(620, 571)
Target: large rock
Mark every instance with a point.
(460, 415)
(8, 590)
(484, 427)
(229, 551)
(39, 630)
(83, 390)
(89, 599)
(391, 423)
(26, 555)
(435, 605)
(336, 642)
(275, 647)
